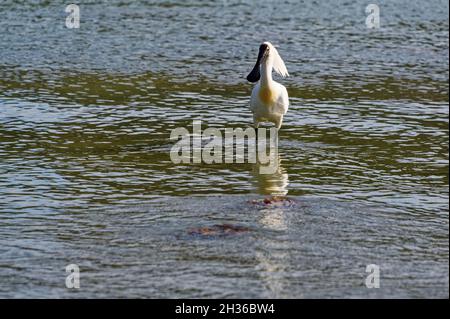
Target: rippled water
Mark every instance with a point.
(86, 177)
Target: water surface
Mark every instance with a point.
(86, 177)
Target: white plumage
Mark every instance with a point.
(270, 100)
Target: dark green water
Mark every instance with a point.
(86, 177)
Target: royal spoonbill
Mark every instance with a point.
(270, 100)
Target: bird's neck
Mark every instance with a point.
(266, 73)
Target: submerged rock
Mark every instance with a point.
(274, 200)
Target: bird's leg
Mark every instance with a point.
(256, 125)
(255, 122)
(279, 122)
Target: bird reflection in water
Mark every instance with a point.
(273, 255)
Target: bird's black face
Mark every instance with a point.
(255, 74)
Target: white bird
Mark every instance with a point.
(270, 100)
